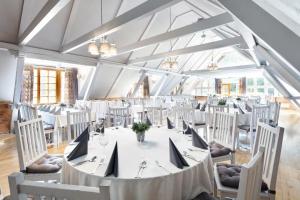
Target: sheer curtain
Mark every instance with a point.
(71, 86)
(27, 85)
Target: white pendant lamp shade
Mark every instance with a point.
(112, 50)
(93, 49)
(104, 47)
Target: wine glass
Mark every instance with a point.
(103, 139)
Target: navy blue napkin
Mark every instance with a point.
(113, 165)
(198, 106)
(170, 124)
(81, 149)
(203, 107)
(197, 141)
(84, 135)
(184, 125)
(148, 121)
(241, 110)
(234, 105)
(248, 108)
(175, 156)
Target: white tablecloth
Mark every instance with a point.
(156, 182)
(202, 117)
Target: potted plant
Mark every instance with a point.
(139, 128)
(222, 102)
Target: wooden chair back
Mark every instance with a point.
(77, 122)
(251, 178)
(270, 138)
(21, 189)
(31, 141)
(225, 129)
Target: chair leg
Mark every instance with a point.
(232, 158)
(215, 192)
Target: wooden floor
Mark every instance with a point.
(288, 182)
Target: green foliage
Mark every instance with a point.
(140, 127)
(222, 102)
(238, 99)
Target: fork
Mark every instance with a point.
(100, 163)
(189, 156)
(158, 164)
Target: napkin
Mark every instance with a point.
(175, 157)
(184, 125)
(248, 108)
(80, 150)
(170, 124)
(113, 165)
(47, 109)
(84, 135)
(198, 106)
(125, 125)
(148, 121)
(102, 129)
(203, 107)
(234, 105)
(52, 110)
(58, 111)
(188, 131)
(197, 141)
(241, 110)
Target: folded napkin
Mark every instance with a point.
(47, 109)
(170, 124)
(187, 131)
(175, 156)
(248, 108)
(80, 150)
(148, 121)
(102, 129)
(198, 106)
(125, 124)
(241, 110)
(113, 165)
(58, 111)
(203, 107)
(234, 105)
(184, 125)
(197, 141)
(52, 110)
(83, 136)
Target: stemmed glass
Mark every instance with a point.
(103, 139)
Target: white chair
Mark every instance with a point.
(32, 148)
(155, 115)
(77, 122)
(117, 116)
(224, 136)
(259, 112)
(271, 139)
(21, 189)
(27, 112)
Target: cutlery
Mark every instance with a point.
(100, 163)
(142, 165)
(196, 149)
(189, 156)
(82, 162)
(158, 164)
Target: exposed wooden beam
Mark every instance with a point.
(280, 39)
(201, 25)
(147, 8)
(204, 47)
(48, 12)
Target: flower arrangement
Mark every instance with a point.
(238, 99)
(222, 102)
(140, 127)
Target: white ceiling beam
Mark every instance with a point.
(204, 47)
(92, 79)
(138, 84)
(48, 12)
(201, 25)
(284, 42)
(147, 8)
(235, 69)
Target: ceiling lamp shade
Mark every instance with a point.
(104, 47)
(93, 49)
(113, 50)
(170, 63)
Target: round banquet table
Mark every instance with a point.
(156, 182)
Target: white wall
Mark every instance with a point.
(8, 66)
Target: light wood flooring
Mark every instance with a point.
(288, 182)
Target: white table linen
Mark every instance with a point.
(156, 183)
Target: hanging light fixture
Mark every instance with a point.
(212, 65)
(105, 47)
(170, 62)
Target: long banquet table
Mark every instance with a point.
(156, 182)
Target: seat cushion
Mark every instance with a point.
(48, 126)
(244, 127)
(217, 150)
(204, 196)
(230, 176)
(199, 123)
(46, 164)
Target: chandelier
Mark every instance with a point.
(103, 47)
(212, 66)
(170, 62)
